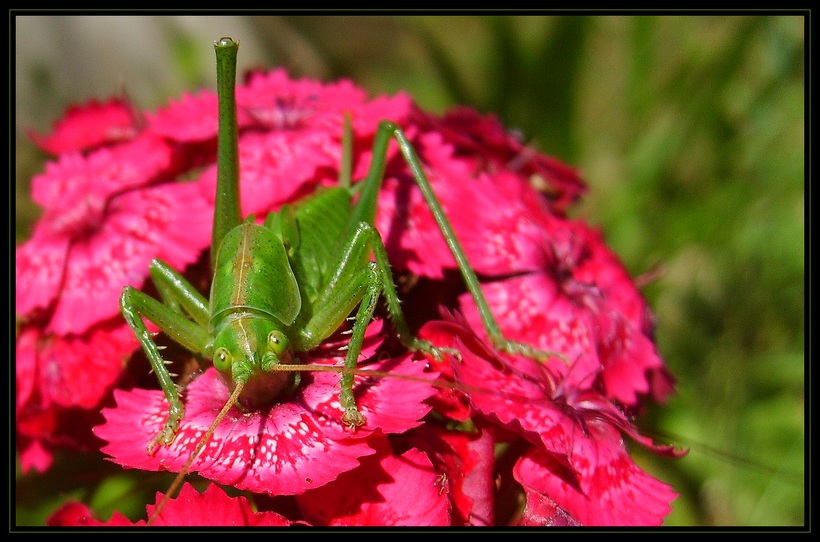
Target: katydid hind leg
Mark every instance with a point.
(387, 130)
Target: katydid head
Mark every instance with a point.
(249, 349)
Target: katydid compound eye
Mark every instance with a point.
(277, 342)
(222, 359)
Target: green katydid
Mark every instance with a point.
(284, 287)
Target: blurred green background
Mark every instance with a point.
(689, 131)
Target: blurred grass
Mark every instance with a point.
(690, 133)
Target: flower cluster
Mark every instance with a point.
(487, 438)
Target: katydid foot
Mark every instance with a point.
(526, 350)
(165, 437)
(436, 352)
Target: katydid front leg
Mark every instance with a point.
(179, 296)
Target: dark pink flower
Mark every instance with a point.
(573, 295)
(102, 226)
(277, 167)
(191, 119)
(464, 461)
(490, 147)
(599, 326)
(61, 383)
(102, 174)
(89, 125)
(388, 489)
(285, 448)
(72, 371)
(607, 489)
(488, 215)
(275, 101)
(570, 293)
(83, 273)
(578, 429)
(211, 508)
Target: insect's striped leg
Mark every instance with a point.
(470, 279)
(373, 287)
(136, 305)
(393, 303)
(177, 293)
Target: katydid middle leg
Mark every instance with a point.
(358, 281)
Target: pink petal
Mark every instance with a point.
(516, 402)
(533, 309)
(89, 125)
(39, 268)
(412, 239)
(530, 309)
(489, 210)
(577, 433)
(34, 456)
(76, 514)
(81, 370)
(395, 108)
(276, 167)
(387, 490)
(465, 463)
(25, 365)
(277, 102)
(632, 366)
(103, 172)
(175, 217)
(171, 222)
(528, 397)
(214, 508)
(390, 404)
(541, 511)
(613, 490)
(628, 357)
(97, 271)
(190, 119)
(489, 216)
